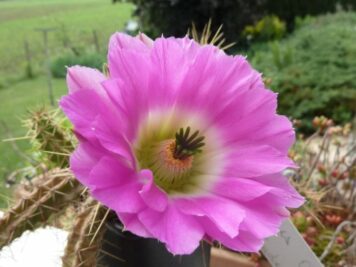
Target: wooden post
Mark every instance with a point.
(29, 70)
(96, 41)
(27, 52)
(45, 32)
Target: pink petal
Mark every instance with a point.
(252, 161)
(263, 128)
(145, 39)
(240, 189)
(277, 132)
(83, 113)
(96, 119)
(121, 198)
(257, 106)
(120, 45)
(257, 114)
(225, 214)
(209, 70)
(83, 159)
(121, 40)
(152, 195)
(112, 139)
(131, 103)
(132, 223)
(83, 78)
(281, 190)
(263, 217)
(189, 45)
(244, 242)
(166, 55)
(109, 172)
(181, 233)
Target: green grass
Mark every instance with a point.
(73, 21)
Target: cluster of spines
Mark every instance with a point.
(50, 137)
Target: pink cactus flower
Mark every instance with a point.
(183, 142)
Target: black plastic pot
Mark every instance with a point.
(123, 249)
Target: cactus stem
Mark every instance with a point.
(79, 250)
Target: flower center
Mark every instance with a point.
(168, 168)
(172, 160)
(184, 161)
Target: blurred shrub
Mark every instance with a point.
(174, 17)
(314, 69)
(268, 28)
(11, 80)
(288, 10)
(59, 65)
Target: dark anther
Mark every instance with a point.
(186, 144)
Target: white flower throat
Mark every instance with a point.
(182, 159)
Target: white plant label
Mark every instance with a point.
(288, 249)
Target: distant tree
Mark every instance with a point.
(173, 17)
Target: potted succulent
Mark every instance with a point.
(175, 149)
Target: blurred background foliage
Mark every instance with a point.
(268, 28)
(60, 64)
(314, 68)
